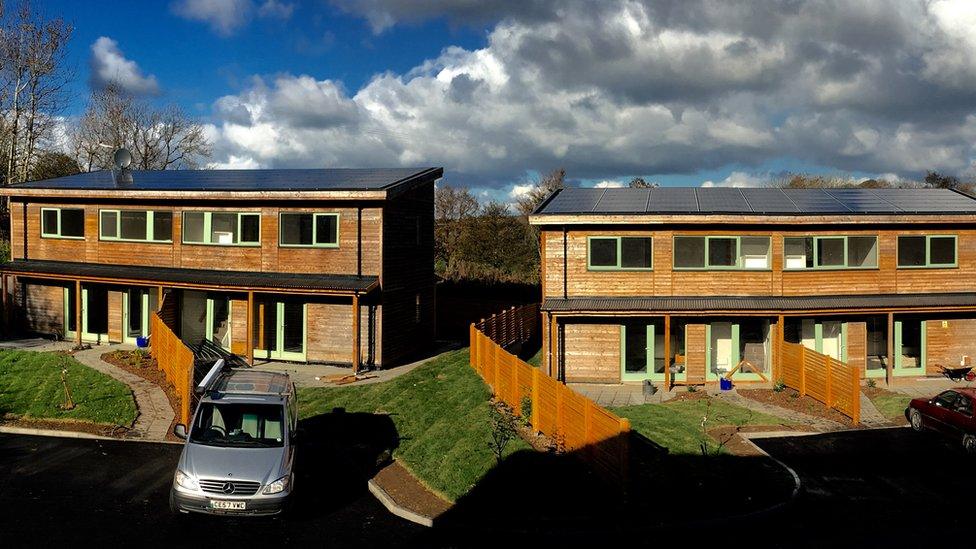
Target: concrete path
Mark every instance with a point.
(155, 413)
(615, 394)
(316, 375)
(870, 416)
(926, 387)
(817, 423)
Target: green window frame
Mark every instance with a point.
(58, 232)
(740, 263)
(151, 237)
(928, 251)
(315, 230)
(207, 229)
(619, 241)
(815, 249)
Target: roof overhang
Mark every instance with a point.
(761, 305)
(133, 194)
(291, 283)
(746, 219)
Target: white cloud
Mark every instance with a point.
(276, 9)
(616, 88)
(223, 16)
(610, 184)
(110, 66)
(738, 179)
(518, 191)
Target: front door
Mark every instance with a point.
(832, 341)
(135, 314)
(94, 314)
(909, 348)
(637, 351)
(280, 330)
(723, 348)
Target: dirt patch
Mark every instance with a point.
(682, 394)
(408, 492)
(731, 438)
(791, 400)
(142, 364)
(101, 429)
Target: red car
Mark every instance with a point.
(950, 413)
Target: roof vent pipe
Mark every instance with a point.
(121, 160)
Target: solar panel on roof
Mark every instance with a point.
(927, 200)
(722, 200)
(815, 201)
(672, 200)
(768, 200)
(859, 200)
(623, 200)
(574, 201)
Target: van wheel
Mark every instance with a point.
(969, 444)
(173, 507)
(915, 417)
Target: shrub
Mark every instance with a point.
(525, 418)
(872, 383)
(779, 386)
(502, 430)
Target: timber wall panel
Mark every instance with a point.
(857, 345)
(592, 352)
(696, 349)
(946, 346)
(42, 307)
(115, 316)
(329, 332)
(665, 281)
(238, 326)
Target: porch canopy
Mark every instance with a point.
(762, 304)
(297, 283)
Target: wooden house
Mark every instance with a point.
(688, 285)
(317, 265)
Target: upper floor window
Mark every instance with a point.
(63, 222)
(135, 225)
(830, 252)
(320, 230)
(922, 251)
(721, 252)
(222, 228)
(619, 253)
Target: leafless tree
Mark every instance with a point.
(159, 139)
(453, 207)
(546, 186)
(34, 82)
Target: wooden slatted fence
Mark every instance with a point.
(575, 422)
(175, 360)
(511, 326)
(828, 380)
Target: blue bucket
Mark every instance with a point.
(725, 384)
(142, 342)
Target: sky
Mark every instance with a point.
(679, 92)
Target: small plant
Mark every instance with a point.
(502, 425)
(779, 386)
(692, 389)
(525, 417)
(872, 383)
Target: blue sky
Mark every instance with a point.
(498, 92)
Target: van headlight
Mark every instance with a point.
(185, 481)
(277, 486)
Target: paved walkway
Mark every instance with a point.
(870, 416)
(925, 387)
(817, 423)
(619, 394)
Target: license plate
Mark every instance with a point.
(227, 505)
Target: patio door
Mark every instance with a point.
(832, 340)
(135, 314)
(94, 314)
(636, 351)
(280, 330)
(723, 348)
(909, 348)
(205, 316)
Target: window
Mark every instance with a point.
(320, 230)
(830, 252)
(62, 223)
(721, 252)
(920, 251)
(222, 228)
(620, 253)
(135, 225)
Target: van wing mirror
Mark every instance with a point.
(180, 430)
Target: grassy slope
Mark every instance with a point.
(677, 425)
(891, 405)
(30, 386)
(441, 414)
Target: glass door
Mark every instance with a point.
(636, 351)
(832, 339)
(723, 348)
(94, 314)
(280, 330)
(135, 314)
(909, 348)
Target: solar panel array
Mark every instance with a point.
(238, 180)
(690, 200)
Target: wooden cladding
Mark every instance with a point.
(830, 381)
(175, 360)
(359, 249)
(572, 270)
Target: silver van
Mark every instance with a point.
(240, 448)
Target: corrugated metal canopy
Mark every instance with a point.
(338, 179)
(192, 277)
(763, 303)
(774, 201)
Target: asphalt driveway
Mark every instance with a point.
(869, 488)
(83, 492)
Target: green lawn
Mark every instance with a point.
(891, 405)
(441, 415)
(677, 425)
(30, 387)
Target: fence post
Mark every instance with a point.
(534, 419)
(856, 396)
(588, 429)
(560, 389)
(494, 370)
(803, 370)
(624, 456)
